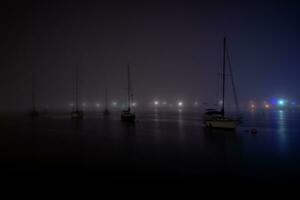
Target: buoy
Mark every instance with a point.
(253, 131)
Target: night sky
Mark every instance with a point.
(174, 49)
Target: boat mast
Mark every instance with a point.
(76, 88)
(129, 88)
(106, 98)
(33, 91)
(224, 82)
(233, 83)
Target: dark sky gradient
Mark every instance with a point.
(174, 48)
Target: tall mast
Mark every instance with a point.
(129, 88)
(106, 98)
(33, 90)
(232, 83)
(76, 88)
(224, 82)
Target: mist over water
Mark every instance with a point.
(170, 61)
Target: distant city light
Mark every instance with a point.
(134, 104)
(281, 102)
(98, 105)
(84, 104)
(164, 103)
(156, 103)
(267, 106)
(220, 102)
(114, 103)
(252, 106)
(196, 103)
(180, 104)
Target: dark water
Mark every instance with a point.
(159, 145)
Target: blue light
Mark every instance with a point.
(281, 102)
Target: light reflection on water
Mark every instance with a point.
(163, 141)
(282, 135)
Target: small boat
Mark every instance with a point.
(33, 112)
(76, 114)
(127, 115)
(106, 111)
(214, 118)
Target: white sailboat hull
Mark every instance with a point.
(221, 123)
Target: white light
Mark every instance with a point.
(134, 104)
(114, 103)
(164, 103)
(180, 104)
(156, 103)
(281, 102)
(83, 104)
(98, 105)
(196, 103)
(220, 102)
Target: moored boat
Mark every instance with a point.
(214, 118)
(127, 115)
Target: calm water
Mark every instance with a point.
(160, 145)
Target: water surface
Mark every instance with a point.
(159, 145)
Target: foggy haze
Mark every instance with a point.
(174, 50)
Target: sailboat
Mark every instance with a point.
(106, 111)
(217, 119)
(127, 115)
(33, 112)
(76, 114)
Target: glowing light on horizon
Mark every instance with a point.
(180, 103)
(156, 103)
(71, 104)
(281, 102)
